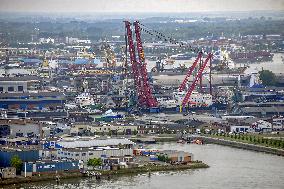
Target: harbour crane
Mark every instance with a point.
(144, 92)
(139, 70)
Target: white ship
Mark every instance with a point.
(196, 99)
(84, 99)
(167, 103)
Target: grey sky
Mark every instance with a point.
(139, 5)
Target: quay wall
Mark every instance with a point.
(241, 145)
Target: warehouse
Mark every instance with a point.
(46, 167)
(87, 147)
(177, 156)
(25, 154)
(89, 142)
(86, 154)
(20, 128)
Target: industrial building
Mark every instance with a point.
(25, 153)
(32, 101)
(86, 154)
(19, 84)
(175, 156)
(19, 128)
(50, 167)
(87, 147)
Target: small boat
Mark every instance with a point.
(197, 141)
(181, 141)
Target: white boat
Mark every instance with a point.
(196, 99)
(167, 103)
(84, 99)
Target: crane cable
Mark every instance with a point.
(171, 40)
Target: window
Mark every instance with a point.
(1, 89)
(10, 88)
(83, 154)
(20, 88)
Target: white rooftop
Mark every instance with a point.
(94, 143)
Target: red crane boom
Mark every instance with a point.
(141, 81)
(134, 64)
(196, 79)
(150, 99)
(182, 86)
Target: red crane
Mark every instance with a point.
(150, 99)
(183, 84)
(134, 64)
(145, 96)
(196, 79)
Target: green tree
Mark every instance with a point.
(267, 77)
(239, 136)
(109, 133)
(135, 132)
(95, 162)
(250, 138)
(163, 158)
(202, 130)
(17, 163)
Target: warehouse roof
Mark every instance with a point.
(22, 78)
(272, 109)
(36, 94)
(94, 143)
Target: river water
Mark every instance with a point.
(230, 168)
(276, 65)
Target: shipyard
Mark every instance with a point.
(146, 100)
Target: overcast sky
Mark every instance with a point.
(139, 5)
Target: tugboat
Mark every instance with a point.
(181, 141)
(197, 141)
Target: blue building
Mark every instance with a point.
(32, 101)
(25, 154)
(45, 167)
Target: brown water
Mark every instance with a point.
(230, 168)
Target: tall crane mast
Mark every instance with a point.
(134, 64)
(196, 79)
(151, 100)
(183, 84)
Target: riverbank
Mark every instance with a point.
(104, 174)
(155, 168)
(242, 145)
(39, 178)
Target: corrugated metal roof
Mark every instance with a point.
(22, 78)
(21, 94)
(95, 142)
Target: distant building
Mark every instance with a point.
(86, 148)
(274, 37)
(24, 153)
(239, 128)
(19, 84)
(49, 167)
(19, 128)
(177, 156)
(71, 40)
(32, 101)
(46, 40)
